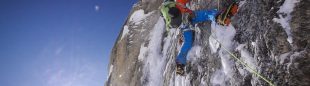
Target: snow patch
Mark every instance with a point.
(223, 35)
(242, 71)
(253, 43)
(142, 53)
(182, 81)
(196, 50)
(154, 60)
(227, 64)
(292, 58)
(283, 57)
(288, 6)
(247, 57)
(285, 17)
(241, 3)
(214, 45)
(110, 71)
(167, 50)
(194, 53)
(138, 16)
(218, 78)
(125, 31)
(203, 82)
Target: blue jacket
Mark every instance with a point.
(188, 34)
(204, 15)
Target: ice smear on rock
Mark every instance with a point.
(125, 31)
(138, 16)
(155, 60)
(223, 35)
(285, 17)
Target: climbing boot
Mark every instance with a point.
(180, 69)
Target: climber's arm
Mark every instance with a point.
(204, 16)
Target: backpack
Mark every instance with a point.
(176, 17)
(171, 14)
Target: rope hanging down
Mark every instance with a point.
(241, 62)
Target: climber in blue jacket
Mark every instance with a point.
(188, 35)
(173, 15)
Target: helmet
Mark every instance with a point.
(176, 17)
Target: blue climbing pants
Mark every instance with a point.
(187, 45)
(204, 15)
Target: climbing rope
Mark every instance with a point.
(241, 62)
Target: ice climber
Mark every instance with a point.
(177, 15)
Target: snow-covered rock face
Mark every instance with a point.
(268, 37)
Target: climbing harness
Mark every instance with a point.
(241, 62)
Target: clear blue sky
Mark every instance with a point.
(58, 42)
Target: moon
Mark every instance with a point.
(97, 7)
